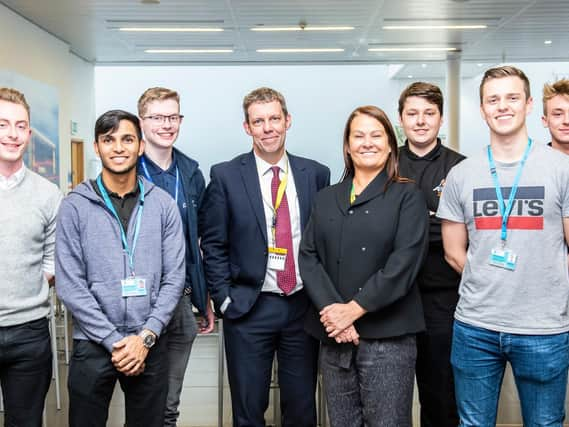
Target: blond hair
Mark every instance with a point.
(155, 94)
(560, 87)
(15, 97)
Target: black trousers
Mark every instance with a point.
(274, 325)
(25, 372)
(433, 369)
(92, 379)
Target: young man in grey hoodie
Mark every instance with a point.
(120, 267)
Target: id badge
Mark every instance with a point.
(133, 287)
(277, 258)
(503, 258)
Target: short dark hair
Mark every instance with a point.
(428, 91)
(502, 72)
(263, 95)
(110, 121)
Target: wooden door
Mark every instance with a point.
(77, 162)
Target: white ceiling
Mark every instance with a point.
(516, 30)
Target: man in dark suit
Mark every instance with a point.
(251, 221)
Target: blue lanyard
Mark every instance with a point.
(505, 210)
(109, 205)
(149, 178)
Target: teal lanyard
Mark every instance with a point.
(110, 206)
(505, 210)
(149, 178)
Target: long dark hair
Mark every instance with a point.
(391, 166)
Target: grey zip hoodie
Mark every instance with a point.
(90, 263)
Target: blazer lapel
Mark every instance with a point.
(253, 188)
(301, 181)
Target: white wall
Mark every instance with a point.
(30, 51)
(319, 98)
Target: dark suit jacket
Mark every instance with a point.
(371, 252)
(233, 227)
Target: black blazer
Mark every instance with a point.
(370, 252)
(233, 228)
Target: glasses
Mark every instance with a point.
(159, 119)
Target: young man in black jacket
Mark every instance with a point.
(425, 160)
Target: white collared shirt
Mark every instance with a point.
(265, 177)
(7, 183)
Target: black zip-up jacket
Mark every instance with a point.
(429, 173)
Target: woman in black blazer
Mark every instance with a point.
(359, 256)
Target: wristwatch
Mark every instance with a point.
(148, 338)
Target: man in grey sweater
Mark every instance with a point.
(120, 266)
(27, 237)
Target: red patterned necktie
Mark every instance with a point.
(286, 279)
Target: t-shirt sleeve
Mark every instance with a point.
(564, 191)
(450, 206)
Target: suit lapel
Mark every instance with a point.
(253, 188)
(302, 184)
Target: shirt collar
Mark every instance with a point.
(263, 167)
(154, 169)
(13, 180)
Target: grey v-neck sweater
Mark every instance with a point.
(27, 242)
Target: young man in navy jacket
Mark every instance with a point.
(180, 176)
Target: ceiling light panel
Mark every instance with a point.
(302, 28)
(300, 50)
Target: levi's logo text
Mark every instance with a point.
(526, 214)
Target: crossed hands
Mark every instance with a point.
(128, 355)
(338, 319)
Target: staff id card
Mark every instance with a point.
(503, 258)
(277, 258)
(133, 287)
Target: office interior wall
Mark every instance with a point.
(319, 98)
(28, 50)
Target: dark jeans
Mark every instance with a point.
(370, 384)
(25, 372)
(92, 379)
(434, 372)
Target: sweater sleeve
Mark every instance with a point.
(395, 280)
(71, 281)
(48, 259)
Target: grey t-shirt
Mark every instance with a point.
(533, 299)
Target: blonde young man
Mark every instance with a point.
(505, 226)
(556, 113)
(180, 176)
(27, 238)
